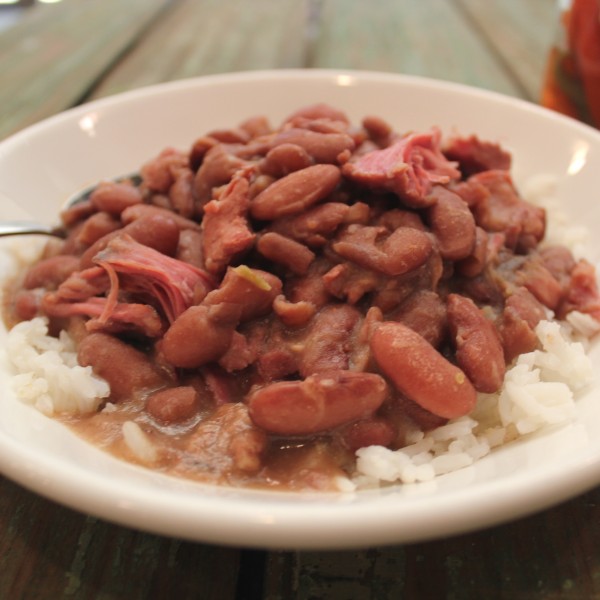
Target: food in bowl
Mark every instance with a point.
(315, 305)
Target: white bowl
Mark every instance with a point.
(42, 165)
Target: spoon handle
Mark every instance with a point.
(27, 227)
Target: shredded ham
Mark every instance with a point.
(126, 270)
(409, 167)
(174, 284)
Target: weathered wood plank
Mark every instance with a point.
(47, 551)
(519, 33)
(212, 36)
(552, 555)
(51, 57)
(431, 39)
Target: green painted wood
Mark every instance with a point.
(200, 37)
(431, 39)
(51, 58)
(520, 33)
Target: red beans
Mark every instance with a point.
(127, 370)
(289, 253)
(478, 347)
(285, 159)
(295, 192)
(114, 198)
(156, 231)
(452, 224)
(420, 372)
(173, 405)
(404, 250)
(318, 403)
(50, 272)
(322, 147)
(196, 338)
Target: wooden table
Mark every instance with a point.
(63, 54)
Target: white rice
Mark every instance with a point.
(139, 443)
(47, 375)
(538, 391)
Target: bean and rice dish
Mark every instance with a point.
(316, 305)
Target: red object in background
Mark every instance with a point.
(572, 81)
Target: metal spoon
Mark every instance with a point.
(26, 227)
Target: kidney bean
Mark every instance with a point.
(230, 136)
(24, 305)
(97, 226)
(420, 372)
(197, 337)
(367, 432)
(318, 403)
(173, 405)
(521, 313)
(155, 231)
(217, 168)
(320, 110)
(452, 224)
(473, 265)
(158, 173)
(295, 192)
(256, 126)
(290, 254)
(284, 159)
(314, 226)
(377, 128)
(327, 344)
(198, 150)
(114, 197)
(50, 272)
(77, 212)
(181, 193)
(358, 213)
(400, 252)
(127, 370)
(252, 291)
(405, 409)
(424, 312)
(478, 347)
(324, 148)
(133, 213)
(392, 219)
